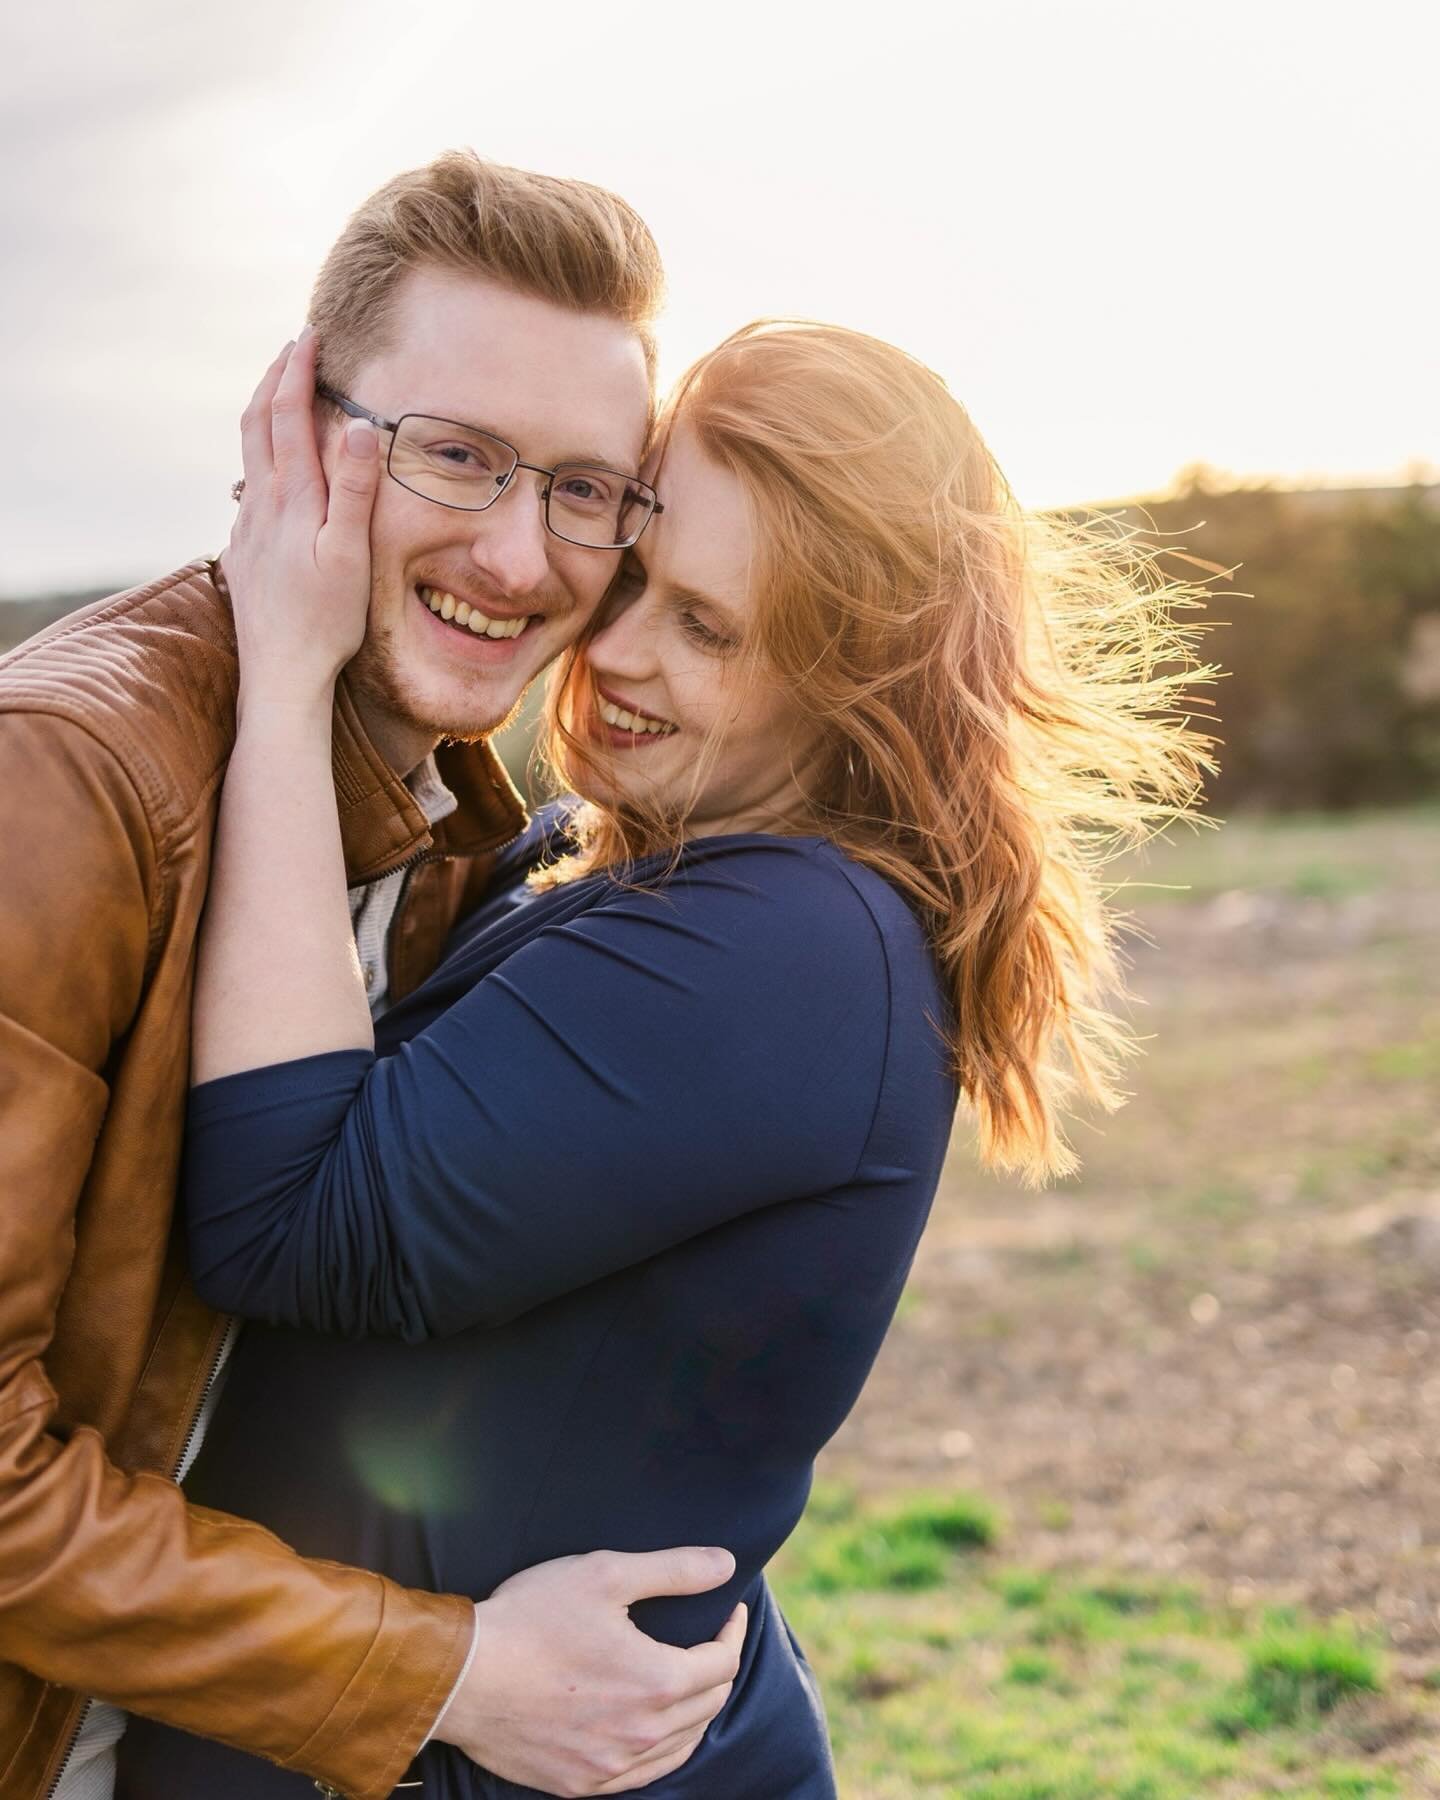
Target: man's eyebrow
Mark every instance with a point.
(590, 459)
(597, 459)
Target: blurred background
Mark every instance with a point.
(1143, 1499)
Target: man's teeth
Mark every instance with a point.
(460, 612)
(628, 721)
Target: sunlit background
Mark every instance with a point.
(1142, 1501)
(1132, 235)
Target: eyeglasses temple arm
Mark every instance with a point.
(354, 411)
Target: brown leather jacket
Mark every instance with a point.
(115, 726)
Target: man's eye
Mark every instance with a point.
(586, 488)
(453, 456)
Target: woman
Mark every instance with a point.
(619, 1205)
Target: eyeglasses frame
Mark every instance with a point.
(355, 411)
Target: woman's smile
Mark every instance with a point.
(625, 726)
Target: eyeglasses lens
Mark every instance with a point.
(597, 507)
(461, 467)
(450, 463)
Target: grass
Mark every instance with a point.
(1302, 856)
(1407, 1062)
(1294, 1677)
(903, 1547)
(946, 1672)
(1284, 1109)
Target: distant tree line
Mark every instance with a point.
(21, 619)
(1327, 630)
(1328, 633)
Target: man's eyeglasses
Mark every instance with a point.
(459, 466)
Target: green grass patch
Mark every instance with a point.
(1029, 1668)
(905, 1546)
(1297, 1676)
(1022, 1587)
(1350, 1781)
(1406, 1062)
(1017, 1683)
(1117, 1595)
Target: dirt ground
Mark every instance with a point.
(1216, 1355)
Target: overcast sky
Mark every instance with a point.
(1130, 233)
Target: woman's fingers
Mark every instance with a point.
(344, 541)
(255, 446)
(292, 424)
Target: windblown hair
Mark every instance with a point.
(564, 241)
(998, 695)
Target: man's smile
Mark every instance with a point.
(468, 617)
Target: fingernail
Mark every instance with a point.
(308, 332)
(360, 438)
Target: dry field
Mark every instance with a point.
(1214, 1358)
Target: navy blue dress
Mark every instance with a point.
(596, 1251)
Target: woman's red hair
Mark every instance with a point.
(998, 694)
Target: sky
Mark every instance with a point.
(1131, 236)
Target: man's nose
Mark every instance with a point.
(511, 545)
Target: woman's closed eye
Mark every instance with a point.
(718, 643)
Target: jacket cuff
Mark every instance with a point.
(416, 1658)
(464, 1671)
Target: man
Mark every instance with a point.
(522, 306)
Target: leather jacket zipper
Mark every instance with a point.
(430, 854)
(227, 1340)
(74, 1739)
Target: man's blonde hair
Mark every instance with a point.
(558, 240)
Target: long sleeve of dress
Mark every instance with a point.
(639, 1073)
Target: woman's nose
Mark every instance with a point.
(625, 641)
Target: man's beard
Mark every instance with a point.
(377, 678)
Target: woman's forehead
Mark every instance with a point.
(704, 537)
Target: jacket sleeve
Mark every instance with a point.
(625, 1081)
(109, 1583)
